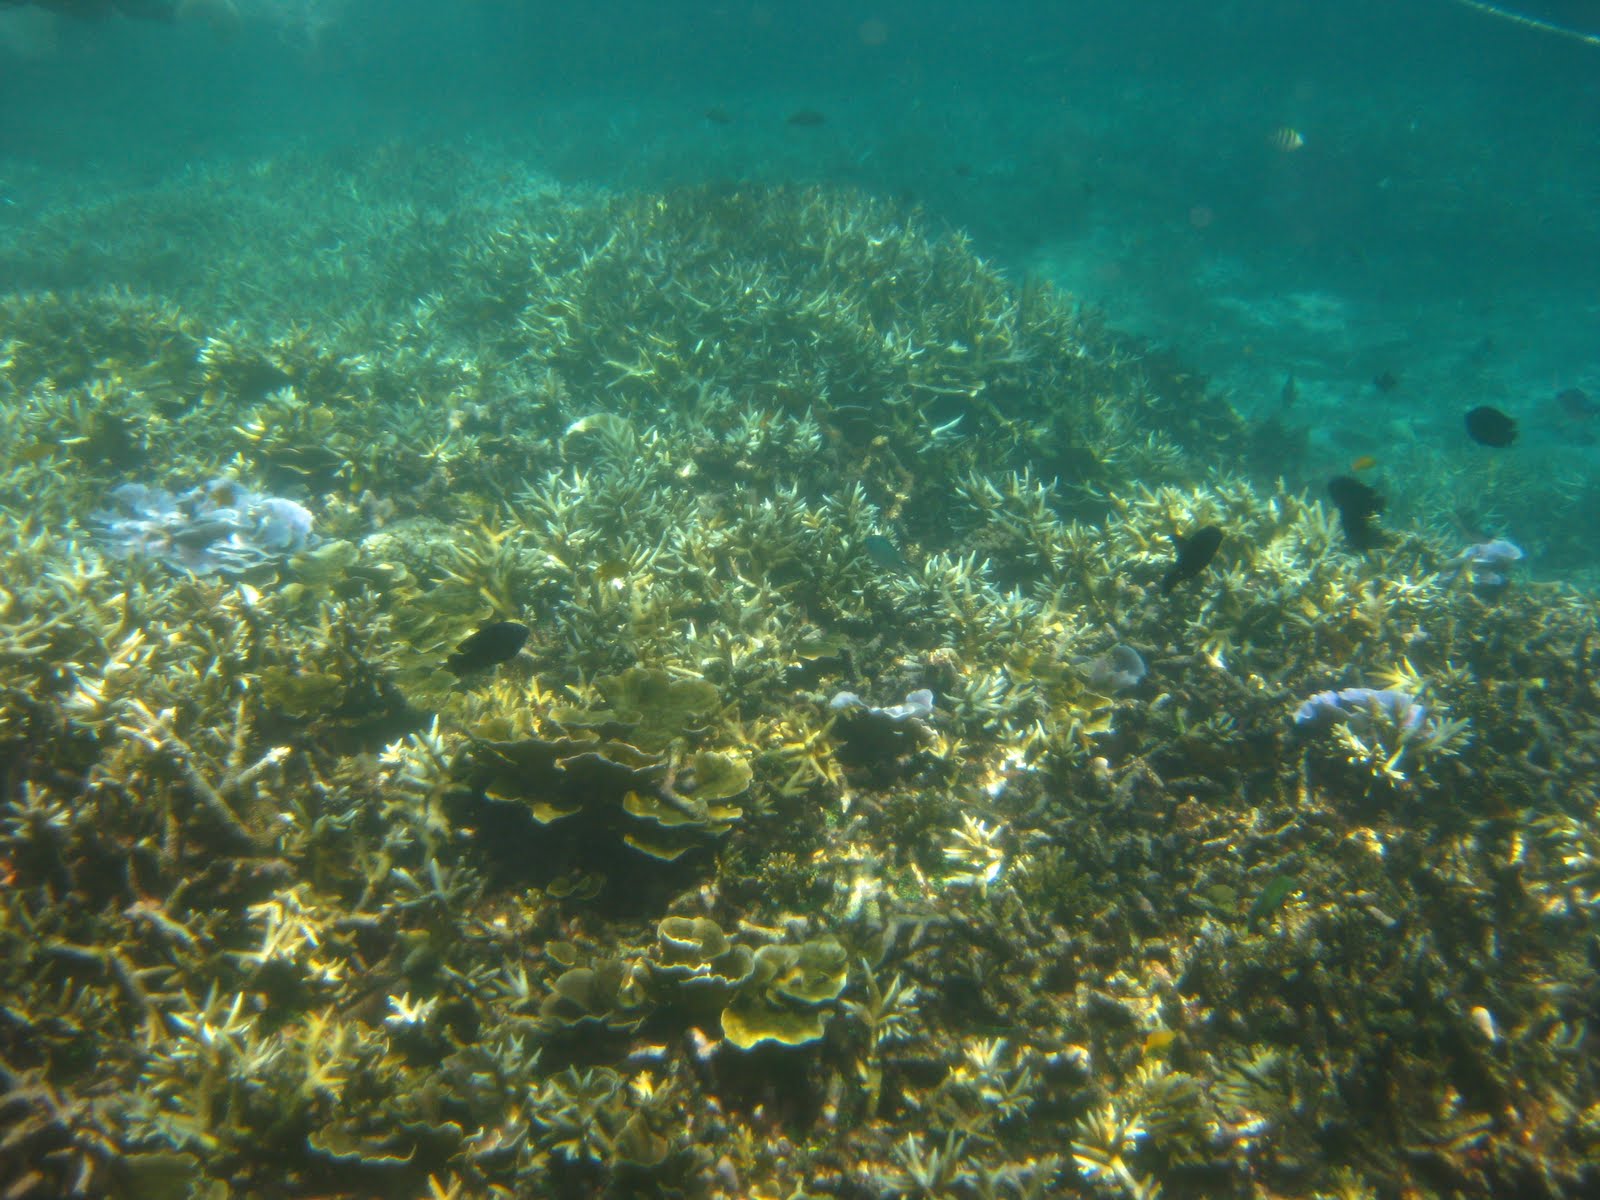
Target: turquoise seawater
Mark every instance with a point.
(1400, 192)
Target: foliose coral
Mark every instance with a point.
(1358, 706)
(219, 526)
(1484, 563)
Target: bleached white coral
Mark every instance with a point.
(975, 853)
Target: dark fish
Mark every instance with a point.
(884, 553)
(1575, 403)
(718, 115)
(963, 169)
(488, 647)
(808, 117)
(1353, 498)
(1194, 554)
(1490, 427)
(110, 440)
(1357, 504)
(1290, 392)
(1386, 381)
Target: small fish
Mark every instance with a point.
(884, 553)
(1159, 1041)
(1490, 427)
(808, 118)
(1286, 139)
(1363, 462)
(488, 647)
(1194, 555)
(1386, 381)
(1289, 392)
(37, 452)
(718, 115)
(1357, 504)
(1576, 404)
(1483, 1021)
(613, 572)
(1279, 888)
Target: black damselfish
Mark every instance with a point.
(1357, 504)
(1194, 554)
(488, 647)
(1490, 427)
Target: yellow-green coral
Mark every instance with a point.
(287, 907)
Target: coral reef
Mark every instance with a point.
(289, 909)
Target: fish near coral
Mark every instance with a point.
(495, 643)
(1194, 555)
(884, 553)
(1271, 898)
(1357, 503)
(1289, 393)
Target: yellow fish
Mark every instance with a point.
(1364, 463)
(1157, 1041)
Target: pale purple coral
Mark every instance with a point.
(1484, 563)
(220, 527)
(1357, 706)
(1118, 669)
(918, 705)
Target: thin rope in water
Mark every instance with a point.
(1539, 23)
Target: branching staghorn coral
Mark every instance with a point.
(269, 922)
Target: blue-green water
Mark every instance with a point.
(1437, 226)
